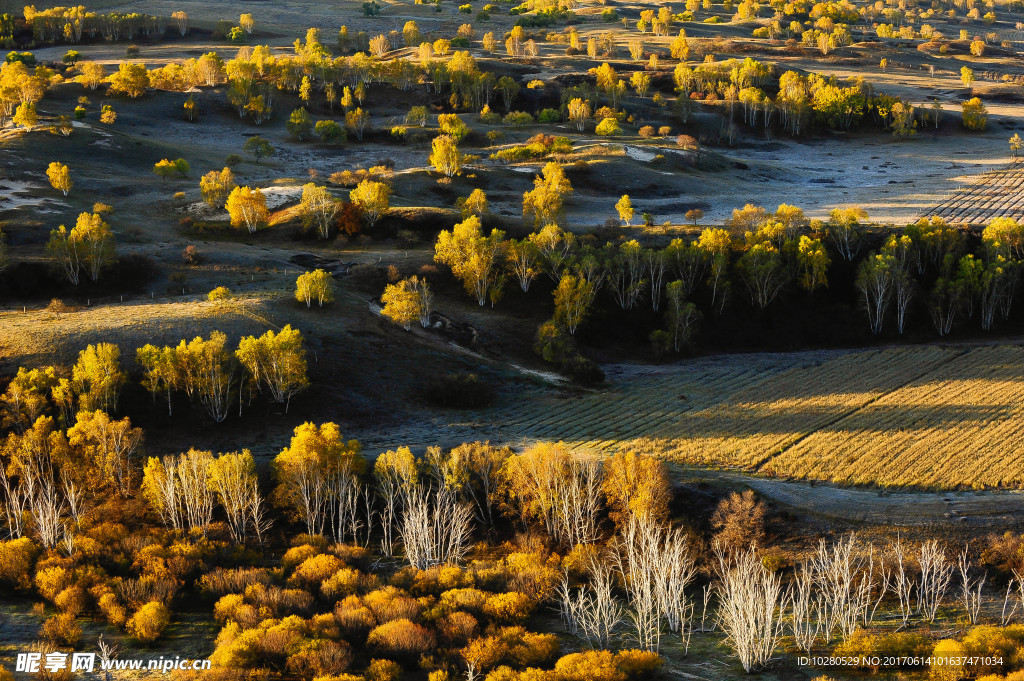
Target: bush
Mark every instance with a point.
(383, 670)
(462, 599)
(509, 608)
(457, 628)
(296, 555)
(549, 116)
(149, 621)
(112, 610)
(62, 629)
(219, 293)
(401, 637)
(609, 15)
(947, 664)
(346, 582)
(647, 131)
(517, 119)
(390, 603)
(16, 558)
(320, 657)
(608, 126)
(314, 570)
(71, 600)
(459, 391)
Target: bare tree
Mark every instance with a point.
(750, 607)
(14, 504)
(970, 589)
(805, 608)
(592, 612)
(900, 582)
(657, 567)
(435, 527)
(936, 573)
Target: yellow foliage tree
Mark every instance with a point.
(60, 177)
(247, 208)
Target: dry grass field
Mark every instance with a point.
(934, 417)
(994, 194)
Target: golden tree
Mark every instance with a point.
(315, 285)
(217, 186)
(445, 156)
(318, 209)
(98, 378)
(60, 177)
(110, 445)
(276, 362)
(544, 203)
(93, 243)
(636, 486)
(131, 80)
(407, 301)
(474, 204)
(372, 199)
(309, 470)
(573, 298)
(473, 258)
(25, 115)
(625, 209)
(579, 112)
(247, 208)
(247, 23)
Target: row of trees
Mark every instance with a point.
(207, 371)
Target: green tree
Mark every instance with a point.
(681, 317)
(258, 147)
(299, 125)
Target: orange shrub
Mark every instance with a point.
(319, 657)
(16, 558)
(112, 609)
(62, 629)
(346, 582)
(315, 569)
(353, 616)
(391, 603)
(457, 628)
(71, 600)
(51, 581)
(638, 664)
(462, 599)
(533, 573)
(401, 637)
